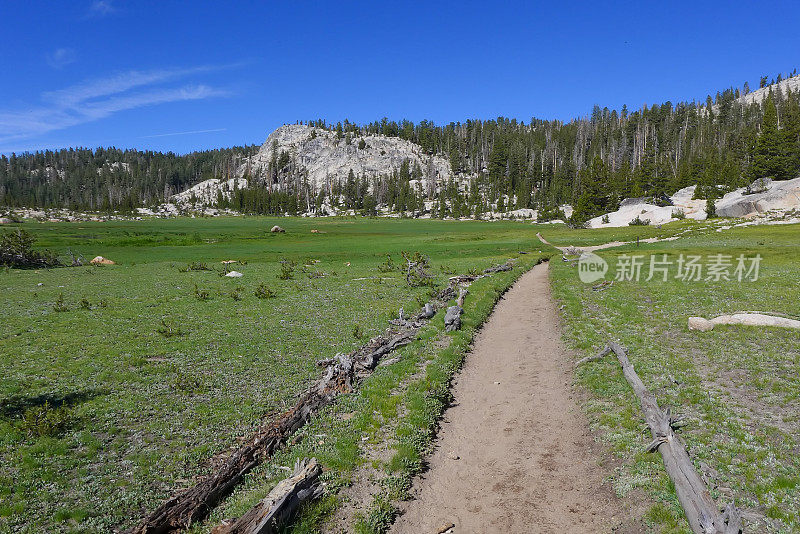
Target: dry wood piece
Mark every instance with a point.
(276, 508)
(744, 319)
(452, 319)
(602, 286)
(702, 513)
(507, 266)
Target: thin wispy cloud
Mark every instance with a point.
(191, 132)
(100, 98)
(61, 57)
(101, 8)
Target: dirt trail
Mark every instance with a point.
(514, 453)
(612, 244)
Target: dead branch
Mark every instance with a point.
(277, 507)
(701, 511)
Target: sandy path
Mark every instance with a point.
(612, 244)
(525, 457)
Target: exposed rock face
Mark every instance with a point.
(769, 196)
(206, 192)
(783, 195)
(630, 208)
(759, 95)
(323, 156)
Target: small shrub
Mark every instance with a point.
(16, 250)
(605, 219)
(189, 382)
(638, 221)
(264, 292)
(236, 294)
(357, 332)
(195, 266)
(60, 305)
(379, 518)
(201, 294)
(287, 269)
(45, 420)
(678, 214)
(416, 269)
(711, 208)
(85, 304)
(169, 330)
(388, 265)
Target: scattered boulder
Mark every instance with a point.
(100, 260)
(277, 230)
(234, 274)
(314, 231)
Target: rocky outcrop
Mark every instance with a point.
(321, 156)
(207, 191)
(631, 208)
(762, 197)
(782, 196)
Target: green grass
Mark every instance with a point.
(122, 382)
(739, 386)
(153, 369)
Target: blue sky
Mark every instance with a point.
(194, 75)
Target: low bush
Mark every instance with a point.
(264, 292)
(287, 269)
(45, 420)
(16, 250)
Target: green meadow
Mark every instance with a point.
(123, 383)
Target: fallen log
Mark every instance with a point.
(277, 507)
(701, 511)
(744, 319)
(194, 503)
(507, 266)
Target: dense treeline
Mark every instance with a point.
(504, 164)
(108, 178)
(594, 162)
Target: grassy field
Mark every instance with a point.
(739, 386)
(121, 382)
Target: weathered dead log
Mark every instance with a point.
(507, 266)
(277, 507)
(452, 319)
(701, 511)
(194, 503)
